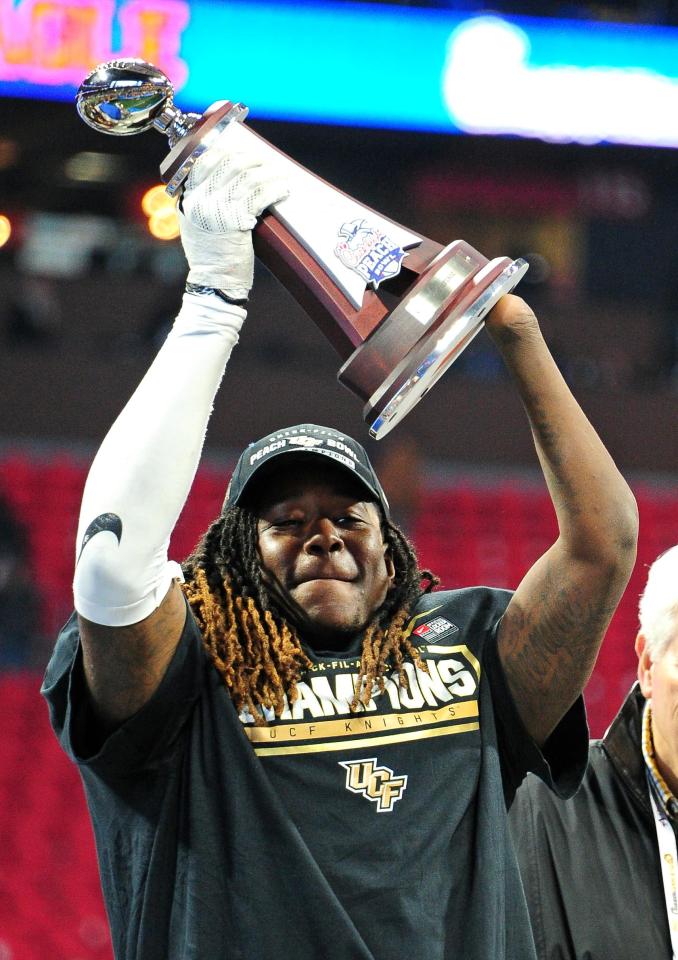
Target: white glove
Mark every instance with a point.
(224, 194)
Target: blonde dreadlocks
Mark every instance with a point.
(254, 648)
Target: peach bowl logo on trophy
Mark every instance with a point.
(369, 252)
(347, 278)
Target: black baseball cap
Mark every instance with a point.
(305, 440)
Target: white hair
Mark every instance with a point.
(658, 607)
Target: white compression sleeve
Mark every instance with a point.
(143, 471)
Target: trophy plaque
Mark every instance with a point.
(397, 306)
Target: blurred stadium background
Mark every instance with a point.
(566, 157)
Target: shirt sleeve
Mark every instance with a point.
(145, 738)
(560, 763)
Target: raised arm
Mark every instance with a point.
(551, 632)
(131, 610)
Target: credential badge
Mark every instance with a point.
(368, 251)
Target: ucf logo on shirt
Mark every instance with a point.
(376, 783)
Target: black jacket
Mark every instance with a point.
(590, 865)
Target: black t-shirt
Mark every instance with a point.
(380, 835)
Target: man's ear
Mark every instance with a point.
(390, 566)
(644, 666)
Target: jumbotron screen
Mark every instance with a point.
(364, 64)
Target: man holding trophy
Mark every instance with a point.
(292, 746)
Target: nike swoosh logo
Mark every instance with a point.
(105, 521)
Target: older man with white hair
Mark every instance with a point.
(601, 870)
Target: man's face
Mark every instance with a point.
(659, 682)
(322, 543)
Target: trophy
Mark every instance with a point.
(396, 306)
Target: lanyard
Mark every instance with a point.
(668, 856)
